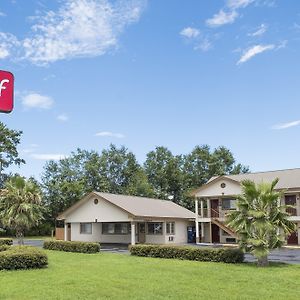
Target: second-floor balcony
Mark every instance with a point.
(213, 213)
(221, 213)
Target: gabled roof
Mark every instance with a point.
(288, 179)
(138, 206)
(211, 182)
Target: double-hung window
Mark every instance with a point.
(170, 228)
(228, 204)
(155, 228)
(86, 228)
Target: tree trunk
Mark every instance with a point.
(263, 261)
(20, 237)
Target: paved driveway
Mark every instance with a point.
(285, 255)
(34, 243)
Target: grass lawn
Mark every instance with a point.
(117, 276)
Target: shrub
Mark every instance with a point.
(22, 257)
(6, 241)
(4, 248)
(226, 255)
(81, 247)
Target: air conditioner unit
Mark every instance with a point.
(171, 238)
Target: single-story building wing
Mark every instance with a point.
(111, 218)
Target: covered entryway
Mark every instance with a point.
(215, 233)
(141, 233)
(293, 239)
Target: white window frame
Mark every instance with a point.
(83, 229)
(232, 204)
(155, 232)
(170, 228)
(112, 229)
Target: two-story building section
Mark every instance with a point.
(214, 199)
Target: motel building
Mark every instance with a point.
(120, 219)
(217, 197)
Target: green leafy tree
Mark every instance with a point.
(9, 140)
(202, 164)
(118, 167)
(164, 172)
(260, 220)
(114, 170)
(20, 205)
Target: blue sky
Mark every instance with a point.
(147, 73)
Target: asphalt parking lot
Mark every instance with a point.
(284, 255)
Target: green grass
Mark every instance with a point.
(116, 276)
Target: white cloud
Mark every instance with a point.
(32, 148)
(286, 125)
(48, 156)
(35, 100)
(110, 134)
(63, 118)
(253, 51)
(260, 31)
(222, 18)
(28, 150)
(204, 45)
(229, 13)
(190, 32)
(235, 4)
(48, 77)
(282, 44)
(8, 44)
(296, 26)
(3, 53)
(80, 28)
(2, 14)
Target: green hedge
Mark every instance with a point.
(6, 241)
(226, 255)
(4, 248)
(81, 247)
(22, 257)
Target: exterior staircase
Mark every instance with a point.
(224, 227)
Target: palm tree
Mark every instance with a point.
(260, 220)
(20, 205)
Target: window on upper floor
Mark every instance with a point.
(228, 204)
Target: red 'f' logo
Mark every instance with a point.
(6, 91)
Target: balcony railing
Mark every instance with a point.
(213, 213)
(221, 214)
(291, 211)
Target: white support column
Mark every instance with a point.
(208, 208)
(197, 220)
(66, 231)
(202, 232)
(202, 208)
(132, 233)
